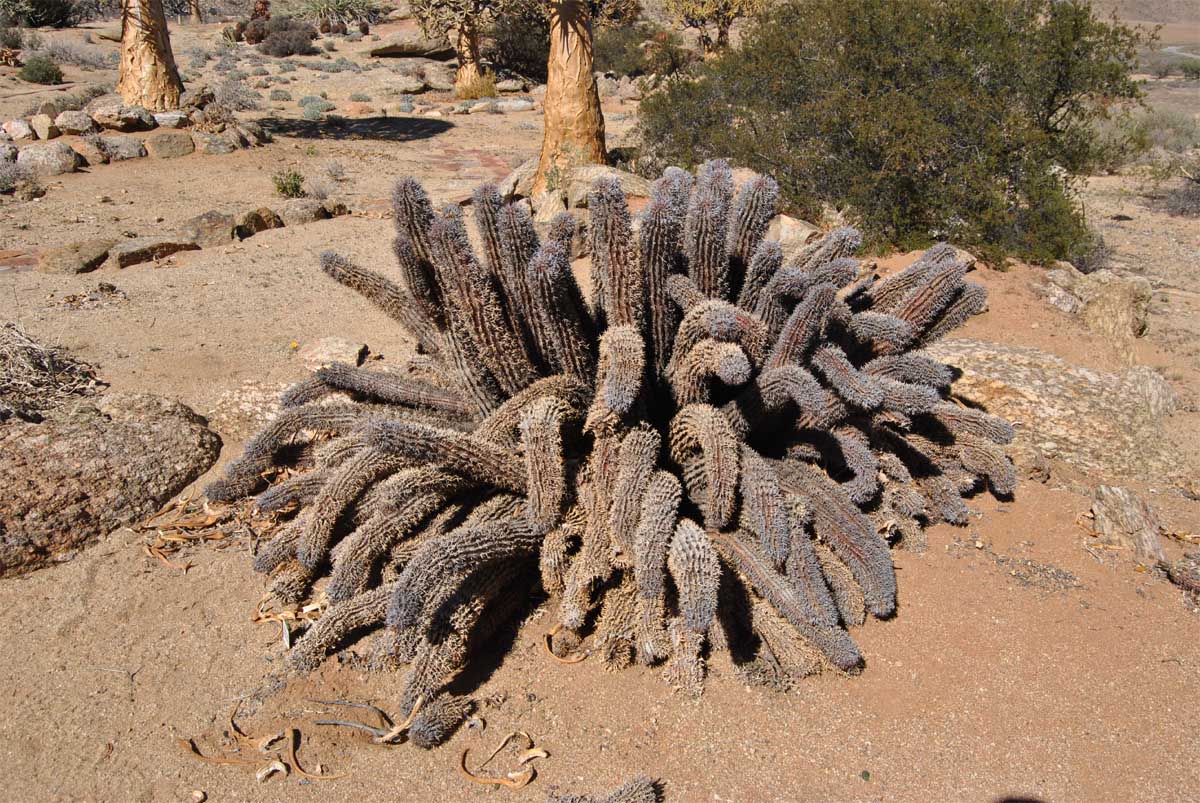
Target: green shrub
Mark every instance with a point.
(280, 94)
(289, 183)
(40, 70)
(923, 120)
(519, 39)
(342, 12)
(618, 49)
(319, 104)
(11, 38)
(1190, 69)
(667, 55)
(360, 97)
(55, 13)
(281, 36)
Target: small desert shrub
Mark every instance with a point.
(360, 97)
(311, 113)
(11, 38)
(289, 183)
(234, 95)
(334, 12)
(280, 95)
(1190, 69)
(289, 43)
(198, 57)
(329, 45)
(11, 174)
(40, 70)
(281, 36)
(320, 105)
(666, 54)
(88, 58)
(319, 188)
(260, 71)
(483, 86)
(354, 36)
(1090, 252)
(287, 66)
(335, 171)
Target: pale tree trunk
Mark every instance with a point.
(194, 8)
(466, 44)
(147, 75)
(573, 120)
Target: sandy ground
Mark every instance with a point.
(1021, 665)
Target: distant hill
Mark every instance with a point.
(1152, 10)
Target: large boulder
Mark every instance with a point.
(1109, 425)
(43, 125)
(439, 76)
(19, 130)
(408, 84)
(252, 222)
(792, 234)
(48, 158)
(110, 111)
(209, 229)
(92, 468)
(581, 179)
(298, 211)
(213, 144)
(413, 44)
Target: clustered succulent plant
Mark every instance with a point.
(712, 450)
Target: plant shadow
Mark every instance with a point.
(380, 129)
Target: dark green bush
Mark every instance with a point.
(1190, 69)
(667, 55)
(40, 70)
(618, 49)
(294, 41)
(289, 183)
(519, 40)
(921, 120)
(55, 13)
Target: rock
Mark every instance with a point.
(43, 125)
(112, 33)
(335, 208)
(89, 151)
(1116, 307)
(251, 223)
(121, 147)
(481, 107)
(234, 136)
(212, 143)
(629, 90)
(546, 205)
(1185, 573)
(1107, 424)
(607, 87)
(298, 211)
(196, 97)
(75, 122)
(510, 85)
(519, 183)
(791, 233)
(409, 84)
(513, 105)
(48, 107)
(253, 133)
(18, 130)
(538, 92)
(413, 44)
(245, 410)
(210, 229)
(81, 474)
(110, 112)
(146, 249)
(177, 119)
(359, 109)
(581, 178)
(439, 77)
(168, 144)
(318, 353)
(80, 257)
(48, 158)
(1122, 519)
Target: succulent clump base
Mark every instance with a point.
(712, 451)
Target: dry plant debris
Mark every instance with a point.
(713, 453)
(35, 378)
(271, 754)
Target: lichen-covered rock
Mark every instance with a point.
(75, 122)
(584, 176)
(120, 147)
(213, 144)
(80, 257)
(209, 229)
(100, 466)
(1096, 421)
(110, 112)
(413, 44)
(1117, 307)
(244, 410)
(251, 223)
(1123, 519)
(19, 130)
(298, 211)
(146, 249)
(43, 125)
(169, 144)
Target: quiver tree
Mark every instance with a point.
(147, 75)
(194, 12)
(711, 19)
(710, 454)
(460, 21)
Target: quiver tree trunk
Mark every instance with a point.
(466, 44)
(147, 75)
(573, 120)
(194, 8)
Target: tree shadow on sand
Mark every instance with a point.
(379, 129)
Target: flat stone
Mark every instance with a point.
(177, 119)
(440, 77)
(409, 84)
(514, 105)
(413, 44)
(110, 111)
(48, 158)
(81, 257)
(18, 130)
(121, 147)
(212, 144)
(242, 411)
(318, 353)
(298, 211)
(43, 125)
(251, 223)
(210, 229)
(510, 85)
(579, 184)
(147, 249)
(75, 122)
(169, 144)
